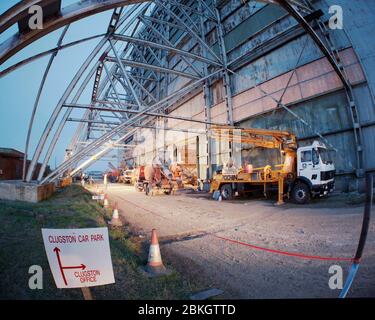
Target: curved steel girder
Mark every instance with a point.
(69, 14)
(72, 13)
(18, 12)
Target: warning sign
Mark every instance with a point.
(79, 257)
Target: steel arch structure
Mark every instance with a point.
(127, 85)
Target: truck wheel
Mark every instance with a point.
(301, 193)
(139, 187)
(148, 189)
(226, 191)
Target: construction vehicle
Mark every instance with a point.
(158, 180)
(304, 172)
(185, 175)
(113, 174)
(126, 176)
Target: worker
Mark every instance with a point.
(105, 180)
(229, 167)
(90, 180)
(83, 179)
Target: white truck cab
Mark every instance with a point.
(315, 172)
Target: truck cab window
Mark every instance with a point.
(315, 157)
(326, 156)
(306, 156)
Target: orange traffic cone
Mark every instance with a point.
(115, 217)
(155, 265)
(105, 203)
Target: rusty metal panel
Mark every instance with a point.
(313, 70)
(247, 109)
(280, 82)
(355, 73)
(293, 93)
(318, 85)
(218, 109)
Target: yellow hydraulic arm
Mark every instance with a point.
(270, 139)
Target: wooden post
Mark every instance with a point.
(86, 293)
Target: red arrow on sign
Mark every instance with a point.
(81, 266)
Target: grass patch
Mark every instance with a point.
(22, 246)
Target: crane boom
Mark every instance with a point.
(271, 139)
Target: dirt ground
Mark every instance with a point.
(191, 227)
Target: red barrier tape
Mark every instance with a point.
(285, 253)
(144, 209)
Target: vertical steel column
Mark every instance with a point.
(207, 102)
(226, 78)
(166, 80)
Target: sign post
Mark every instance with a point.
(79, 258)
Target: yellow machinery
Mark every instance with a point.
(185, 175)
(65, 182)
(265, 176)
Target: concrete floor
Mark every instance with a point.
(189, 225)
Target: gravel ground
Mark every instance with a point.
(189, 225)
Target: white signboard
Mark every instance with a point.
(98, 197)
(79, 257)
